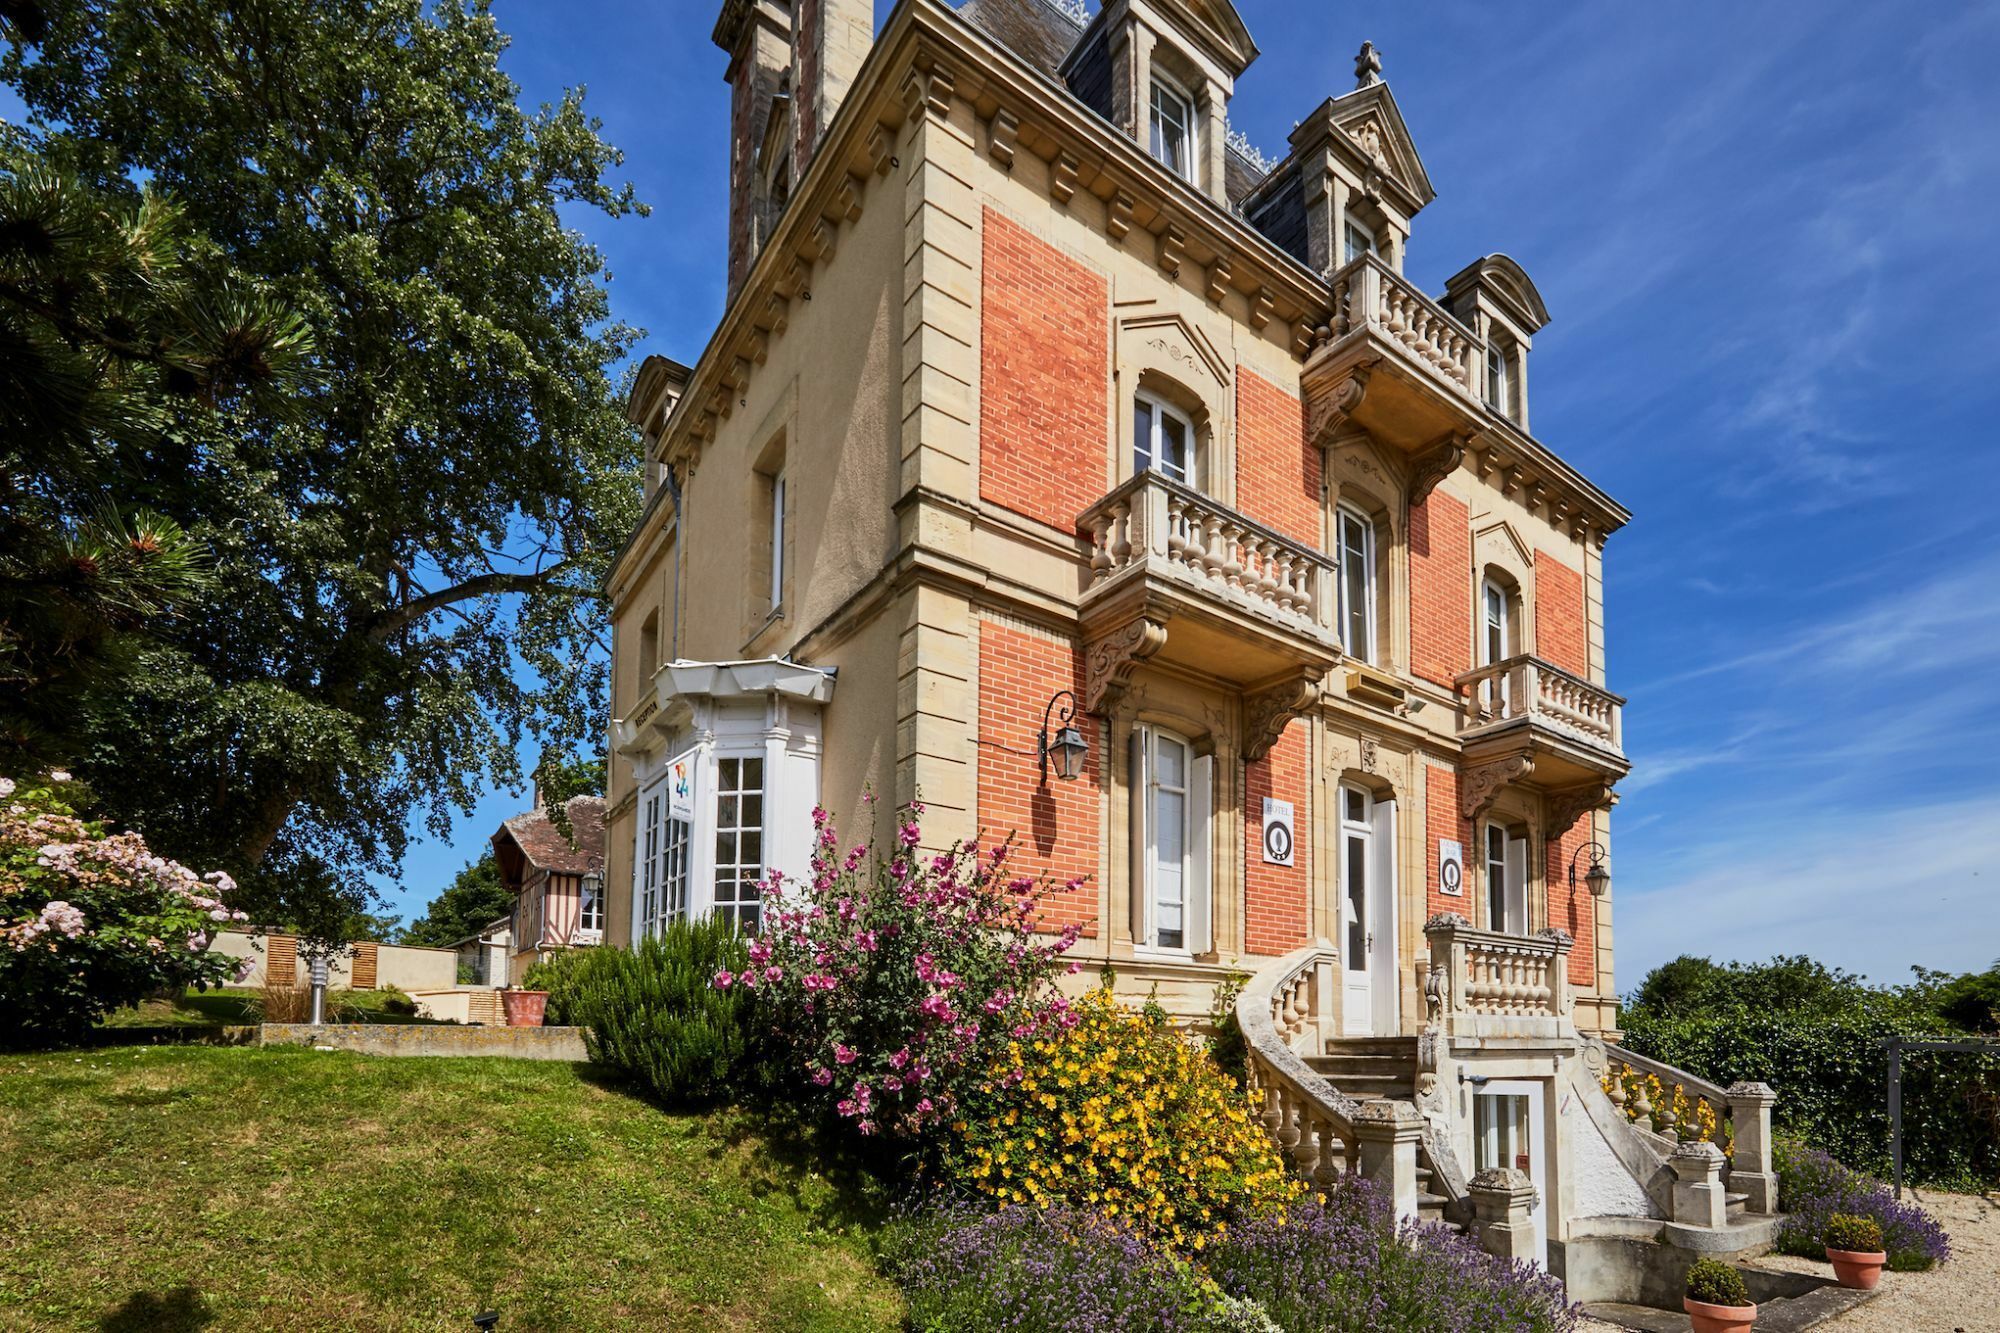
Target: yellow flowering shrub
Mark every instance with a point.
(1119, 1113)
(1693, 1118)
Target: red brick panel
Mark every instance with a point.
(1055, 823)
(1574, 912)
(1442, 822)
(1440, 589)
(1276, 910)
(1277, 471)
(1561, 635)
(1044, 353)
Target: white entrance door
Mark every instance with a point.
(1508, 1131)
(1371, 1002)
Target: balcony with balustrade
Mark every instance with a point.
(1395, 363)
(1529, 708)
(1179, 578)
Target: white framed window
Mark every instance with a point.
(1498, 380)
(1498, 638)
(1357, 582)
(1162, 440)
(1172, 805)
(777, 541)
(1506, 881)
(590, 910)
(1360, 239)
(739, 841)
(674, 870)
(1173, 128)
(648, 861)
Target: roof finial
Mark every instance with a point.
(1367, 66)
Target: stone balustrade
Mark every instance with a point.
(1151, 518)
(1475, 973)
(1528, 687)
(1288, 1005)
(1368, 293)
(1679, 1106)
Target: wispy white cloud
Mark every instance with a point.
(1907, 885)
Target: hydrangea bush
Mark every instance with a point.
(894, 980)
(1339, 1261)
(1813, 1188)
(1118, 1111)
(92, 920)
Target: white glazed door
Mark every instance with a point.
(1508, 1131)
(1358, 901)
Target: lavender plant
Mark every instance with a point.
(1813, 1188)
(1058, 1269)
(1342, 1262)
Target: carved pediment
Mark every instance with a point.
(1369, 119)
(1173, 343)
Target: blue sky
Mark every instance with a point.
(1764, 233)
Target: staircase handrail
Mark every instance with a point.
(1692, 1084)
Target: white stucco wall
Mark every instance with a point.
(1600, 1184)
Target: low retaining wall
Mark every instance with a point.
(419, 1039)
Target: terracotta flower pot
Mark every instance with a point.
(1708, 1318)
(1859, 1269)
(525, 1008)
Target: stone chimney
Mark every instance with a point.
(830, 39)
(757, 34)
(790, 64)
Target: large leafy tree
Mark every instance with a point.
(474, 900)
(406, 569)
(117, 330)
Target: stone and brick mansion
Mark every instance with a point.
(1064, 459)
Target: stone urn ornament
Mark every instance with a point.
(525, 1008)
(1716, 1299)
(1854, 1248)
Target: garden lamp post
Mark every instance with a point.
(316, 971)
(1067, 749)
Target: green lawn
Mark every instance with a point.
(222, 1188)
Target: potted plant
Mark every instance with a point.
(1717, 1301)
(1854, 1247)
(524, 1007)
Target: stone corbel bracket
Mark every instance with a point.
(1566, 807)
(1330, 405)
(1480, 786)
(1110, 661)
(1268, 712)
(1434, 464)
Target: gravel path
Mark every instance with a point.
(1962, 1296)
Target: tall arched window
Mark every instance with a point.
(1171, 806)
(1355, 538)
(1163, 440)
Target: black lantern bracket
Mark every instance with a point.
(1066, 748)
(1596, 876)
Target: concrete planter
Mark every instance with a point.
(525, 1008)
(1858, 1269)
(1708, 1318)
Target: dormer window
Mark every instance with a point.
(1499, 378)
(1360, 240)
(1162, 440)
(1173, 128)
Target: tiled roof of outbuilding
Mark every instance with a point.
(545, 847)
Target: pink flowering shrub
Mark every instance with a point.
(91, 920)
(893, 981)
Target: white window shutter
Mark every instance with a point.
(1139, 797)
(1201, 820)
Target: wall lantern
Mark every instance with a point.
(593, 884)
(1067, 748)
(1596, 877)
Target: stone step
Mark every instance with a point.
(1736, 1204)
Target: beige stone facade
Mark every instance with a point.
(943, 349)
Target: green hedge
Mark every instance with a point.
(653, 1014)
(1830, 1071)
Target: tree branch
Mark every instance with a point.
(482, 585)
